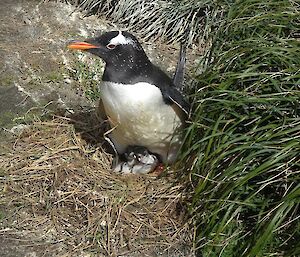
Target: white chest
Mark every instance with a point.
(126, 102)
(139, 116)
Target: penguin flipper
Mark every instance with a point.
(176, 98)
(173, 94)
(180, 67)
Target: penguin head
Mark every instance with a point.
(115, 48)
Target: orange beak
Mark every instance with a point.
(81, 46)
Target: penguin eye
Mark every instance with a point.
(111, 46)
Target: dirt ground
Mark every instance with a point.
(58, 196)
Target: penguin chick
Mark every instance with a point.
(138, 161)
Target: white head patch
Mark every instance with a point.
(121, 40)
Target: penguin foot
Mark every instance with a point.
(138, 161)
(158, 171)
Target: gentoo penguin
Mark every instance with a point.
(142, 105)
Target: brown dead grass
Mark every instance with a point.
(58, 192)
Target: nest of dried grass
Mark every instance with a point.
(58, 184)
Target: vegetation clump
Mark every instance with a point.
(170, 20)
(243, 143)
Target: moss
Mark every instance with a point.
(54, 76)
(7, 80)
(88, 74)
(1, 215)
(2, 173)
(6, 118)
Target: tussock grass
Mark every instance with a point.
(243, 145)
(63, 196)
(172, 20)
